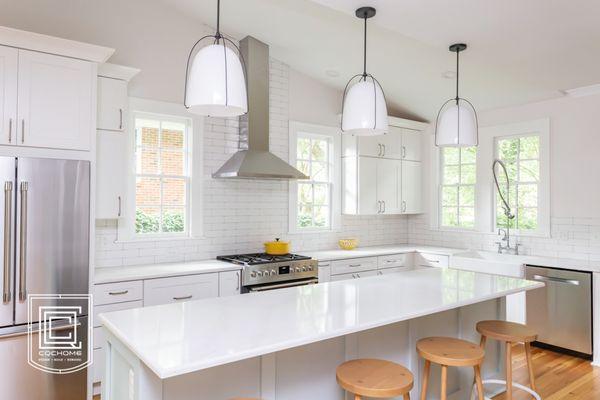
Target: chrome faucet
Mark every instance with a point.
(507, 212)
(506, 248)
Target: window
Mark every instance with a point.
(313, 158)
(162, 175)
(457, 192)
(315, 203)
(522, 158)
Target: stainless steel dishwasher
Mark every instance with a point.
(561, 313)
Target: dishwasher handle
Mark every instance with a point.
(541, 278)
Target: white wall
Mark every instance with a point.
(574, 183)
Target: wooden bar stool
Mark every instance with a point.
(374, 378)
(510, 333)
(450, 352)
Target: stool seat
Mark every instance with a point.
(450, 351)
(374, 378)
(506, 331)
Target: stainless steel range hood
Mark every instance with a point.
(257, 162)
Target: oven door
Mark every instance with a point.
(281, 285)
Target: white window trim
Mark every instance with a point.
(195, 200)
(485, 211)
(540, 127)
(336, 193)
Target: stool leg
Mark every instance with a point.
(356, 397)
(530, 367)
(444, 381)
(508, 371)
(482, 341)
(478, 382)
(407, 396)
(425, 379)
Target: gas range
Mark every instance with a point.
(264, 272)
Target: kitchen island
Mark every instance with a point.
(286, 344)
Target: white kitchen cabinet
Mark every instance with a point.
(410, 187)
(180, 288)
(111, 174)
(112, 104)
(395, 260)
(395, 270)
(411, 145)
(118, 292)
(8, 94)
(381, 146)
(355, 275)
(324, 272)
(229, 283)
(375, 188)
(55, 101)
(352, 265)
(432, 260)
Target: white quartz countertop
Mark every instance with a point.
(179, 338)
(120, 274)
(371, 251)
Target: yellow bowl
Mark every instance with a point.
(348, 244)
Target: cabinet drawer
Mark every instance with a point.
(355, 275)
(118, 292)
(432, 260)
(353, 265)
(98, 365)
(393, 270)
(395, 260)
(180, 288)
(229, 283)
(114, 307)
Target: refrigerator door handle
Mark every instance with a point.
(6, 294)
(23, 243)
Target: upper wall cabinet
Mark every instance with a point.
(112, 103)
(54, 101)
(8, 94)
(399, 144)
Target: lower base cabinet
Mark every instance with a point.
(149, 292)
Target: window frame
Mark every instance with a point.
(194, 200)
(296, 130)
(441, 185)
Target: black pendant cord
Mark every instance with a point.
(457, 75)
(365, 51)
(218, 33)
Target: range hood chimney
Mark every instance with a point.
(257, 162)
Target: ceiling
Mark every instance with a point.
(519, 51)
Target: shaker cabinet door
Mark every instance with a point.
(8, 94)
(55, 101)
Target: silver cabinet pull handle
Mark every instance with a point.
(358, 275)
(119, 212)
(379, 273)
(237, 278)
(183, 298)
(434, 261)
(354, 265)
(383, 202)
(23, 244)
(403, 151)
(573, 282)
(379, 146)
(22, 131)
(120, 118)
(403, 205)
(118, 293)
(8, 187)
(10, 130)
(383, 149)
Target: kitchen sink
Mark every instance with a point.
(498, 264)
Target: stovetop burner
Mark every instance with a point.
(260, 258)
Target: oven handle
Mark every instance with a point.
(283, 285)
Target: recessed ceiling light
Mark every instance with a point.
(333, 73)
(449, 74)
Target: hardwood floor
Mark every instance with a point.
(557, 376)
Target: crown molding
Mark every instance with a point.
(583, 91)
(115, 71)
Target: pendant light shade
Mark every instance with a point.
(215, 83)
(456, 124)
(364, 110)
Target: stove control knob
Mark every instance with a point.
(259, 273)
(310, 268)
(273, 272)
(253, 274)
(303, 269)
(297, 269)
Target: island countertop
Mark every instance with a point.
(179, 338)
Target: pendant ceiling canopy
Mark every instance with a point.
(364, 111)
(215, 83)
(456, 123)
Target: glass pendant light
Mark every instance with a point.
(364, 112)
(215, 84)
(456, 123)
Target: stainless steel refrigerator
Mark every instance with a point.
(44, 231)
